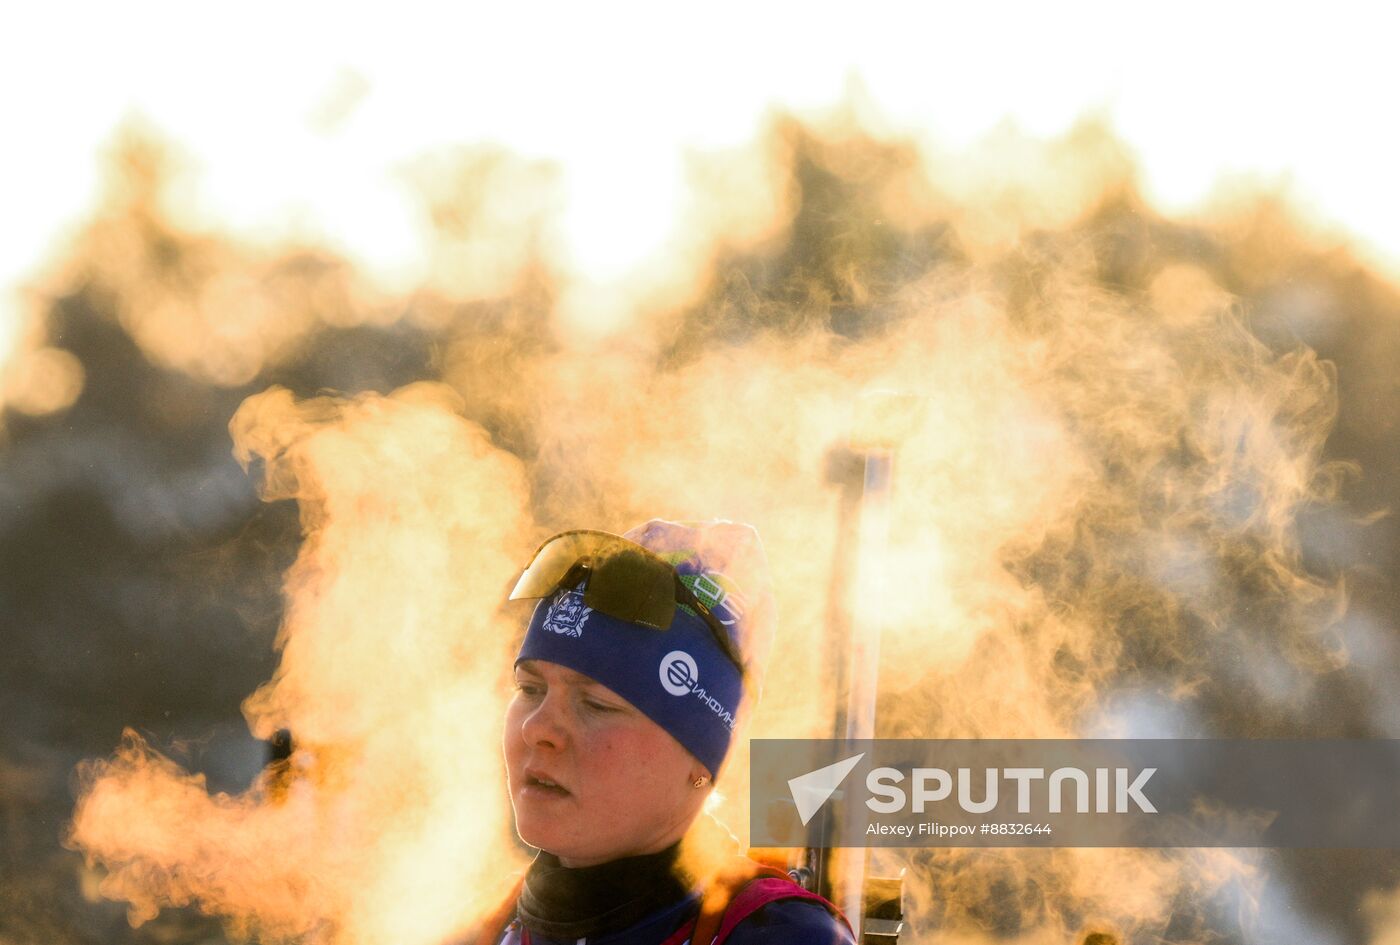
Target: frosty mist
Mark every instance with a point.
(1095, 512)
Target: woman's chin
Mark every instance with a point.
(541, 833)
(541, 811)
(571, 849)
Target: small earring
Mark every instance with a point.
(699, 782)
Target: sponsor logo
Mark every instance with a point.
(716, 591)
(681, 676)
(718, 594)
(567, 614)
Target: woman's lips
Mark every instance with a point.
(542, 792)
(539, 787)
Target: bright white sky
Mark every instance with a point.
(1295, 94)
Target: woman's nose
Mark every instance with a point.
(547, 723)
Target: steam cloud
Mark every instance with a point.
(1100, 507)
(389, 677)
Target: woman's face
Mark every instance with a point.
(622, 785)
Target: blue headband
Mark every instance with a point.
(679, 677)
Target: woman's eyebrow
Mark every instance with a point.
(597, 691)
(574, 677)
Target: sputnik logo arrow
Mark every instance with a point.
(810, 790)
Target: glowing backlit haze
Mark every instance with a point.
(297, 120)
(1100, 491)
(1097, 484)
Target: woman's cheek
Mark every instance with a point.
(608, 749)
(513, 725)
(601, 748)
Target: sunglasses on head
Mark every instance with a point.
(624, 580)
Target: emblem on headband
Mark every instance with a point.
(567, 614)
(679, 674)
(718, 593)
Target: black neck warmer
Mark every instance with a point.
(562, 903)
